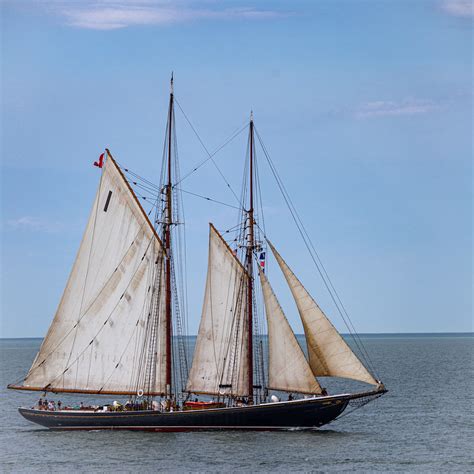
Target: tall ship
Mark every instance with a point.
(120, 327)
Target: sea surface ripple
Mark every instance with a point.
(425, 423)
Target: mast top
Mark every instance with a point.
(251, 115)
(171, 83)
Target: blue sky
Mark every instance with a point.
(365, 107)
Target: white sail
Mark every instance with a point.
(288, 369)
(95, 342)
(220, 363)
(329, 354)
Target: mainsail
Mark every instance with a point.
(329, 354)
(288, 369)
(220, 365)
(95, 342)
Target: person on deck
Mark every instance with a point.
(40, 404)
(59, 404)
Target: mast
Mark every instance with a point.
(167, 239)
(249, 263)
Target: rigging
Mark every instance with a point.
(316, 260)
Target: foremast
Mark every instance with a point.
(88, 345)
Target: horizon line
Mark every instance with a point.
(436, 333)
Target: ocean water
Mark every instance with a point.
(425, 423)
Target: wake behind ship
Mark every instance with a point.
(121, 323)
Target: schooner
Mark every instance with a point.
(118, 329)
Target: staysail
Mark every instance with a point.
(220, 364)
(329, 354)
(95, 342)
(288, 369)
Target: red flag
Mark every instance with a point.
(100, 163)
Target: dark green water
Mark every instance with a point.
(425, 423)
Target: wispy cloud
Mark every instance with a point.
(383, 108)
(461, 8)
(116, 14)
(33, 224)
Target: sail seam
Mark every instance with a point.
(85, 312)
(87, 273)
(102, 326)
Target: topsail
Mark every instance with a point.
(95, 341)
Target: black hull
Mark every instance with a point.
(305, 413)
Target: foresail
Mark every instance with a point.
(288, 369)
(95, 342)
(220, 365)
(329, 354)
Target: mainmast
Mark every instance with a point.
(167, 239)
(249, 264)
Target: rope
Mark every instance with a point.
(208, 199)
(358, 404)
(210, 155)
(88, 308)
(133, 174)
(151, 189)
(316, 260)
(87, 273)
(106, 320)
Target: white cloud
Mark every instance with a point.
(33, 224)
(462, 8)
(100, 18)
(115, 14)
(390, 108)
